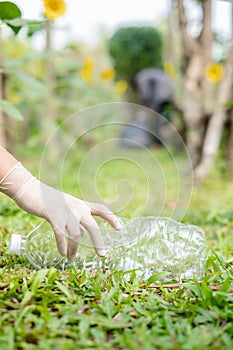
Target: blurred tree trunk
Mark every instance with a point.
(196, 90)
(6, 124)
(49, 119)
(204, 109)
(173, 34)
(216, 123)
(230, 139)
(3, 137)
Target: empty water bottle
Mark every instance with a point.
(148, 245)
(39, 247)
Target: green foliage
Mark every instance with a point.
(8, 12)
(10, 110)
(27, 88)
(33, 26)
(229, 104)
(11, 15)
(135, 48)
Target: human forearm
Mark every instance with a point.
(7, 161)
(66, 214)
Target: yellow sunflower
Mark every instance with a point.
(107, 74)
(121, 87)
(169, 69)
(214, 72)
(87, 70)
(54, 8)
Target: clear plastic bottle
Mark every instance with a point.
(150, 245)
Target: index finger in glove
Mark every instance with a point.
(105, 213)
(92, 227)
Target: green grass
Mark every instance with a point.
(72, 309)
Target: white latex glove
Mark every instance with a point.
(64, 212)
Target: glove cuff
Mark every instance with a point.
(4, 183)
(16, 181)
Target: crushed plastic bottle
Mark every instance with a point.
(149, 245)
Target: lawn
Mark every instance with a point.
(72, 309)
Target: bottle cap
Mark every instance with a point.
(14, 244)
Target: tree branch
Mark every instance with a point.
(189, 43)
(205, 40)
(206, 36)
(183, 23)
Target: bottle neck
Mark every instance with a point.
(23, 243)
(17, 244)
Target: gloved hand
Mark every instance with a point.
(64, 212)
